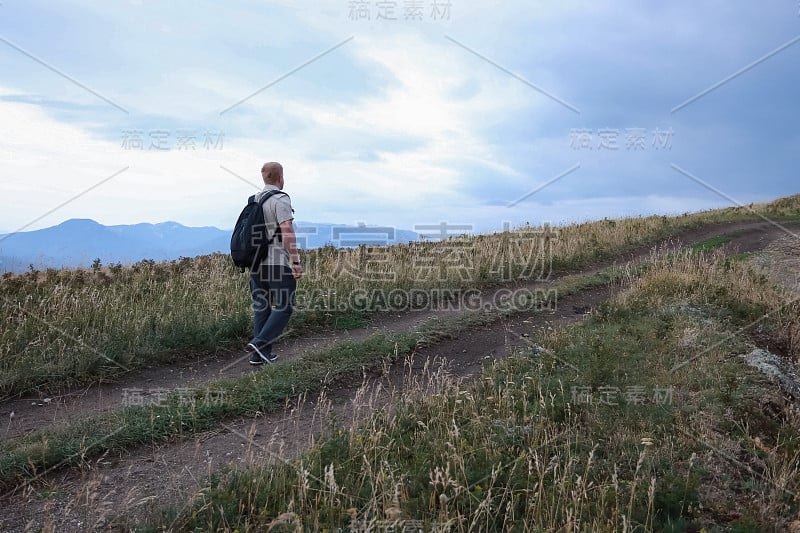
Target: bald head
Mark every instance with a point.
(272, 173)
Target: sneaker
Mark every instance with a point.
(258, 357)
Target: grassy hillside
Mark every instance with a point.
(68, 327)
(642, 417)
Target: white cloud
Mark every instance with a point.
(46, 162)
(417, 105)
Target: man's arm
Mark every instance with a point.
(290, 243)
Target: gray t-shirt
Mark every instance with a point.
(277, 209)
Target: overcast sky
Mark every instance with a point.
(395, 113)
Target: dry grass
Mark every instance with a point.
(517, 451)
(461, 456)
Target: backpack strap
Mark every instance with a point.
(269, 194)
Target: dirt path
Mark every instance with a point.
(128, 483)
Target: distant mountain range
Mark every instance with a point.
(78, 242)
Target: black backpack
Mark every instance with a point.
(250, 240)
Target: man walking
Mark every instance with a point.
(274, 281)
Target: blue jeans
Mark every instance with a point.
(271, 285)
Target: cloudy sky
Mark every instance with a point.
(395, 113)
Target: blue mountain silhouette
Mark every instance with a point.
(78, 242)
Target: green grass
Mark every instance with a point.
(710, 244)
(523, 449)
